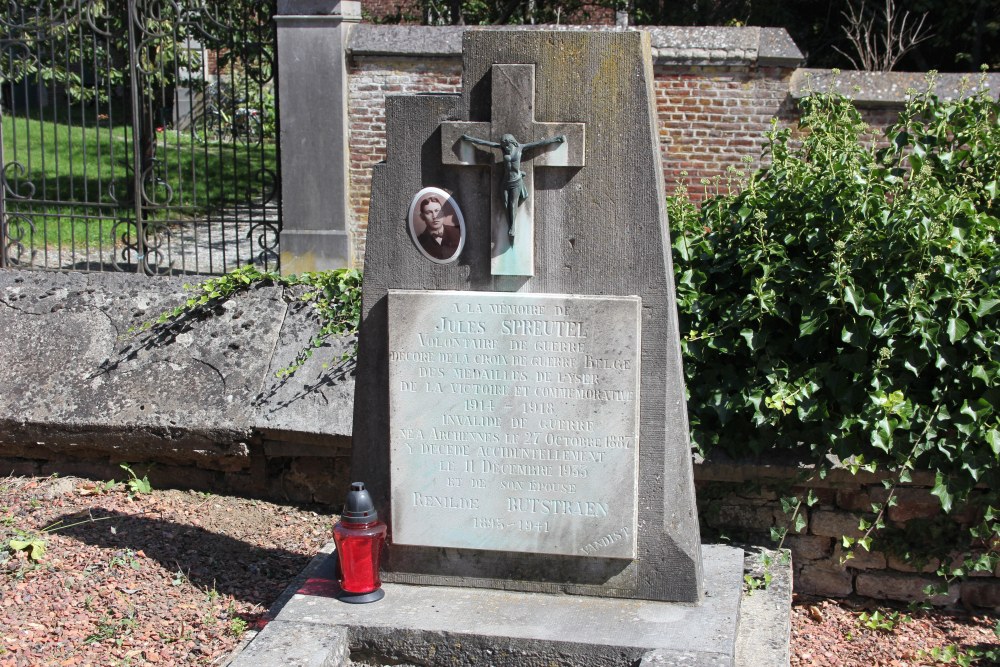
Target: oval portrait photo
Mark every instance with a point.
(436, 225)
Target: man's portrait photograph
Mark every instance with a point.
(436, 225)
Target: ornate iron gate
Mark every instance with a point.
(138, 135)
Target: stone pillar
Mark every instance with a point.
(312, 98)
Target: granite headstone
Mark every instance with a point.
(520, 409)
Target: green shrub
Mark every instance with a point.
(847, 298)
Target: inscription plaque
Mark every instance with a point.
(514, 421)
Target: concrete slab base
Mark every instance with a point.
(766, 613)
(434, 625)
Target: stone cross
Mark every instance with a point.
(513, 112)
(536, 421)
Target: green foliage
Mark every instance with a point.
(882, 621)
(30, 543)
(180, 578)
(335, 297)
(479, 12)
(136, 486)
(268, 113)
(237, 626)
(201, 174)
(240, 93)
(212, 291)
(97, 488)
(962, 656)
(753, 583)
(760, 579)
(847, 299)
(114, 627)
(792, 507)
(52, 39)
(964, 35)
(126, 558)
(982, 554)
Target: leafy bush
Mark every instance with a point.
(846, 299)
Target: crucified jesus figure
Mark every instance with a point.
(514, 191)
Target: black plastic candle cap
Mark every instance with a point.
(358, 508)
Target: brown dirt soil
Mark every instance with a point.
(843, 633)
(164, 578)
(176, 578)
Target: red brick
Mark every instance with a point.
(808, 547)
(708, 116)
(747, 516)
(835, 524)
(861, 559)
(981, 593)
(823, 579)
(903, 588)
(17, 467)
(897, 563)
(860, 500)
(914, 504)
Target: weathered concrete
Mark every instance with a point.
(312, 93)
(294, 644)
(765, 614)
(79, 377)
(888, 88)
(671, 45)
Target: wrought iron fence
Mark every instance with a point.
(138, 135)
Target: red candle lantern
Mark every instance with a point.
(359, 536)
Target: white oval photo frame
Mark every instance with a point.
(414, 222)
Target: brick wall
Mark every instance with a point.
(709, 118)
(370, 81)
(743, 502)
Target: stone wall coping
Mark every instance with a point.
(888, 89)
(693, 46)
(406, 41)
(672, 45)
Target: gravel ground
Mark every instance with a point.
(164, 578)
(846, 633)
(177, 578)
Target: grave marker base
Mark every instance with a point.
(417, 625)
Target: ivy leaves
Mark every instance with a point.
(32, 545)
(847, 297)
(335, 297)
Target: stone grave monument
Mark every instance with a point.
(520, 409)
